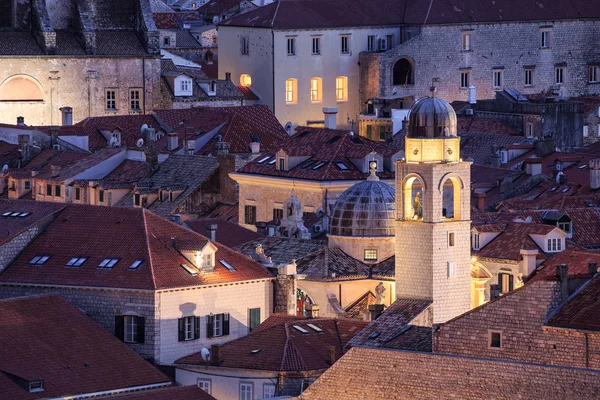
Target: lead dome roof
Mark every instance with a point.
(431, 117)
(365, 209)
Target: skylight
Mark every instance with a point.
(39, 260)
(582, 166)
(7, 214)
(272, 161)
(589, 203)
(262, 160)
(554, 188)
(314, 328)
(319, 165)
(565, 190)
(299, 329)
(307, 163)
(374, 335)
(15, 214)
(341, 165)
(227, 265)
(189, 269)
(108, 263)
(255, 351)
(136, 264)
(76, 262)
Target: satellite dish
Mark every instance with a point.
(140, 142)
(205, 353)
(5, 169)
(143, 128)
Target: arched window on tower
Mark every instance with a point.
(403, 73)
(413, 199)
(451, 191)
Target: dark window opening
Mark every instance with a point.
(403, 73)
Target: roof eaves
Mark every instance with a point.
(150, 261)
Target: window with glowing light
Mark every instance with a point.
(341, 88)
(245, 80)
(291, 91)
(316, 90)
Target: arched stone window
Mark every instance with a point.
(413, 197)
(451, 188)
(403, 73)
(21, 88)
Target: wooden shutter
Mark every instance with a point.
(141, 329)
(196, 327)
(210, 321)
(225, 324)
(181, 329)
(500, 289)
(120, 327)
(510, 282)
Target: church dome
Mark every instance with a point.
(366, 209)
(431, 117)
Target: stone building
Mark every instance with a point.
(509, 44)
(95, 57)
(164, 290)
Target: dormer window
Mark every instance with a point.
(213, 86)
(36, 386)
(503, 156)
(208, 261)
(565, 226)
(554, 245)
(281, 164)
(475, 240)
(183, 86)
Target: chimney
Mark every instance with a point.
(404, 124)
(67, 115)
(227, 76)
(20, 121)
(375, 311)
(545, 146)
(214, 354)
(472, 95)
(529, 261)
(595, 173)
(480, 201)
(592, 268)
(255, 147)
(24, 146)
(173, 242)
(331, 354)
(533, 166)
(495, 157)
(312, 311)
(506, 186)
(172, 141)
(209, 57)
(55, 169)
(330, 114)
(221, 148)
(562, 179)
(211, 231)
(494, 291)
(562, 273)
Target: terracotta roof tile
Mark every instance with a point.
(228, 233)
(282, 250)
(582, 311)
(515, 237)
(169, 393)
(166, 20)
(38, 212)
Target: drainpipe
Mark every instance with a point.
(143, 84)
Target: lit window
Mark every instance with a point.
(268, 391)
(291, 90)
(76, 262)
(108, 263)
(594, 69)
(204, 384)
(498, 79)
(495, 340)
(466, 41)
(370, 254)
(371, 43)
(246, 391)
(207, 260)
(131, 329)
(136, 264)
(345, 45)
(529, 77)
(291, 46)
(39, 260)
(134, 99)
(451, 270)
(545, 39)
(245, 80)
(341, 88)
(554, 245)
(315, 90)
(475, 240)
(244, 43)
(559, 73)
(505, 282)
(316, 46)
(464, 79)
(111, 99)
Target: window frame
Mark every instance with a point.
(554, 245)
(466, 41)
(594, 73)
(341, 88)
(451, 239)
(465, 77)
(345, 44)
(528, 77)
(134, 329)
(291, 46)
(204, 381)
(491, 341)
(316, 90)
(245, 45)
(451, 269)
(110, 99)
(252, 321)
(316, 45)
(250, 214)
(135, 98)
(248, 395)
(268, 395)
(545, 39)
(475, 241)
(497, 79)
(370, 255)
(291, 91)
(371, 43)
(559, 75)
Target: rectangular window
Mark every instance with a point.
(545, 39)
(111, 99)
(57, 190)
(246, 391)
(290, 90)
(598, 129)
(529, 130)
(101, 196)
(315, 90)
(77, 193)
(495, 340)
(189, 328)
(341, 88)
(593, 76)
(345, 44)
(586, 131)
(450, 239)
(498, 81)
(291, 46)
(529, 77)
(253, 318)
(131, 329)
(207, 260)
(565, 226)
(464, 79)
(204, 384)
(185, 85)
(250, 215)
(217, 325)
(370, 131)
(282, 164)
(382, 132)
(371, 43)
(48, 189)
(76, 262)
(277, 213)
(466, 41)
(108, 263)
(451, 270)
(316, 46)
(244, 45)
(134, 99)
(559, 74)
(505, 282)
(554, 245)
(27, 185)
(370, 254)
(167, 40)
(390, 41)
(137, 199)
(268, 391)
(475, 240)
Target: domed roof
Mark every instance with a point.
(366, 209)
(431, 118)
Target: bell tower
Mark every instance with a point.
(433, 212)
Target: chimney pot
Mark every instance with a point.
(172, 141)
(332, 357)
(330, 114)
(480, 201)
(211, 230)
(20, 121)
(255, 147)
(375, 311)
(593, 268)
(214, 354)
(67, 115)
(562, 273)
(227, 76)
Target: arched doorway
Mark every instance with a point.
(403, 73)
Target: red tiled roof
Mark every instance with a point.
(169, 393)
(590, 103)
(166, 20)
(583, 310)
(128, 235)
(228, 233)
(210, 70)
(284, 348)
(576, 260)
(72, 163)
(10, 227)
(485, 125)
(514, 238)
(217, 7)
(248, 93)
(322, 145)
(45, 337)
(227, 212)
(8, 152)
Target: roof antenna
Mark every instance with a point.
(433, 88)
